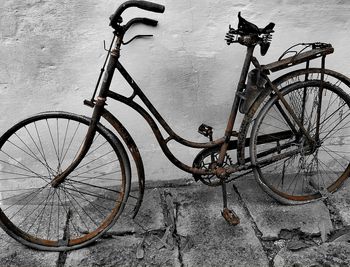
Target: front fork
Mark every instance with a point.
(98, 110)
(96, 115)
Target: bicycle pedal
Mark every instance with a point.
(230, 216)
(89, 103)
(205, 130)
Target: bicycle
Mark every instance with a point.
(65, 178)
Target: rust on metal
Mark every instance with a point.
(129, 141)
(230, 216)
(212, 165)
(299, 58)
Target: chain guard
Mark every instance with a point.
(206, 160)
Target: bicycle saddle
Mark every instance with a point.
(247, 27)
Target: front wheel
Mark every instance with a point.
(80, 209)
(287, 165)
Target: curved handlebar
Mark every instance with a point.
(146, 21)
(149, 6)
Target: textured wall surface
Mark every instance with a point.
(51, 53)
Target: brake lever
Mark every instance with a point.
(137, 37)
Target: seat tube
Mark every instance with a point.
(235, 105)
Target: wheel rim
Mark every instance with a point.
(78, 210)
(306, 175)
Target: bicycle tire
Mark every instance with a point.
(301, 75)
(80, 209)
(306, 174)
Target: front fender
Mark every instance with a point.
(130, 143)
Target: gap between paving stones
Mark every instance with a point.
(171, 212)
(268, 252)
(273, 246)
(295, 240)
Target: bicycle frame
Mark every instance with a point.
(172, 135)
(67, 178)
(222, 143)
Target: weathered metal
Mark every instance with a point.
(212, 165)
(130, 143)
(320, 51)
(250, 38)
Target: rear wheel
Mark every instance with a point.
(81, 208)
(287, 165)
(296, 76)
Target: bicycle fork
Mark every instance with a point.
(99, 106)
(98, 110)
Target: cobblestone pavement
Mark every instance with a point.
(180, 225)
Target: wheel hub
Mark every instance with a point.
(310, 147)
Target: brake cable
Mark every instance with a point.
(136, 37)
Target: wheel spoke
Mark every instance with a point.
(302, 176)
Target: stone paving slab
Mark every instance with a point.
(124, 251)
(150, 216)
(199, 236)
(271, 217)
(131, 242)
(213, 241)
(328, 254)
(340, 202)
(13, 253)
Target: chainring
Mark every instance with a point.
(206, 160)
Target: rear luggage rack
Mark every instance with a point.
(317, 50)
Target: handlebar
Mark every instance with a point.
(146, 5)
(146, 21)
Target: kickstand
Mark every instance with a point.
(229, 215)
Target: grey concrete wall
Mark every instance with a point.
(51, 53)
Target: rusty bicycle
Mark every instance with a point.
(65, 178)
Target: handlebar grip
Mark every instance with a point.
(149, 22)
(150, 6)
(146, 5)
